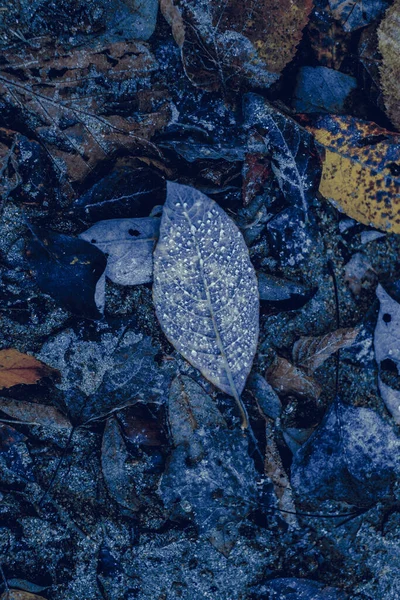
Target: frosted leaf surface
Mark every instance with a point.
(205, 288)
(129, 244)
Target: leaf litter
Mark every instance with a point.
(116, 483)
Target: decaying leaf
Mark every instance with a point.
(124, 193)
(352, 456)
(17, 368)
(115, 466)
(128, 245)
(358, 272)
(20, 595)
(205, 289)
(105, 369)
(70, 99)
(310, 353)
(285, 378)
(34, 414)
(387, 351)
(210, 477)
(354, 14)
(68, 269)
(389, 47)
(295, 160)
(225, 44)
(273, 468)
(361, 169)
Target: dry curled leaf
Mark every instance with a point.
(311, 352)
(361, 169)
(71, 100)
(285, 378)
(226, 44)
(16, 368)
(389, 47)
(205, 289)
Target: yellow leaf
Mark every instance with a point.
(16, 368)
(361, 170)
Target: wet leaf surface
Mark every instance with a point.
(205, 289)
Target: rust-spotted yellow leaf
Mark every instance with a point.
(16, 367)
(361, 169)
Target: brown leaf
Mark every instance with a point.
(16, 368)
(273, 468)
(34, 414)
(20, 595)
(389, 47)
(310, 352)
(71, 99)
(285, 378)
(226, 44)
(358, 272)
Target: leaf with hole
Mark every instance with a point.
(387, 351)
(128, 245)
(205, 289)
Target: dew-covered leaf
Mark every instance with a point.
(353, 456)
(361, 166)
(34, 414)
(17, 368)
(105, 368)
(205, 288)
(354, 14)
(311, 352)
(387, 351)
(285, 378)
(295, 160)
(210, 477)
(66, 268)
(389, 48)
(123, 193)
(323, 90)
(128, 245)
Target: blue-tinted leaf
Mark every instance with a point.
(205, 288)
